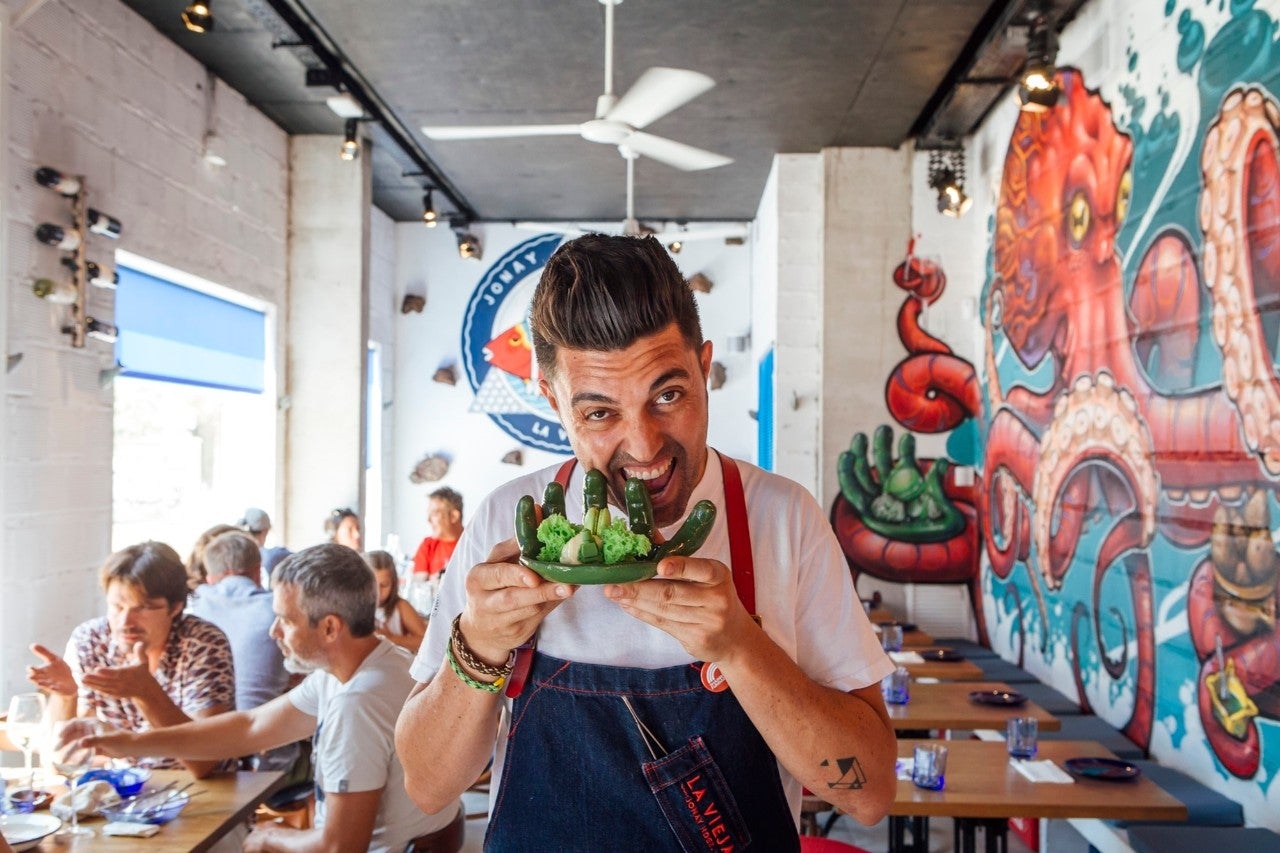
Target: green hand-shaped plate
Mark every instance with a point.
(591, 574)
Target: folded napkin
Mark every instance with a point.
(89, 798)
(137, 830)
(905, 657)
(1041, 771)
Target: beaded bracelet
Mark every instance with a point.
(464, 653)
(486, 686)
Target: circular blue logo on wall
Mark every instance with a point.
(497, 349)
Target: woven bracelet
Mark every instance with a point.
(464, 653)
(486, 686)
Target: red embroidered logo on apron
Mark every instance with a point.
(706, 813)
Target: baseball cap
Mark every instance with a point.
(254, 520)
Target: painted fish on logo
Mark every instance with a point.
(497, 348)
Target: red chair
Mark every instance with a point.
(815, 844)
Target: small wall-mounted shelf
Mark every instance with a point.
(74, 242)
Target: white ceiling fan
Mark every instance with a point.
(670, 233)
(618, 121)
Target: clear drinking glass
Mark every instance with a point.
(26, 716)
(891, 637)
(930, 766)
(1022, 736)
(896, 686)
(72, 761)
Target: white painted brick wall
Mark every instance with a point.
(92, 88)
(867, 223)
(798, 363)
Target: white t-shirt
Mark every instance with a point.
(804, 593)
(355, 743)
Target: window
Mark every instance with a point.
(195, 428)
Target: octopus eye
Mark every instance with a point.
(1123, 194)
(1078, 216)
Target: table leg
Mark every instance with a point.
(918, 827)
(963, 836)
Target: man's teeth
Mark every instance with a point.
(648, 473)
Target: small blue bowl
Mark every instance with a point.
(127, 781)
(160, 813)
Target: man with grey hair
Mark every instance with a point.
(233, 599)
(324, 599)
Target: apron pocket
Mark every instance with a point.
(695, 799)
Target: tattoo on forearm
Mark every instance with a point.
(851, 775)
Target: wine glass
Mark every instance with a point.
(71, 761)
(26, 716)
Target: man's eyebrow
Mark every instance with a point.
(597, 397)
(591, 397)
(673, 373)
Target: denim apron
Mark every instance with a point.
(605, 758)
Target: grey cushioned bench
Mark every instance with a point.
(1089, 727)
(1174, 838)
(1051, 700)
(973, 651)
(1205, 806)
(999, 669)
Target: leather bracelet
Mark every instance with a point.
(486, 686)
(466, 655)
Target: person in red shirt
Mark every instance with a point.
(444, 514)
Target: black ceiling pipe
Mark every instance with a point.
(327, 51)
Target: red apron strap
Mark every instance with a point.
(565, 472)
(735, 505)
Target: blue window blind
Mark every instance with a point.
(176, 334)
(764, 412)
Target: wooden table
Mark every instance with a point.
(946, 705)
(915, 638)
(982, 789)
(227, 801)
(960, 670)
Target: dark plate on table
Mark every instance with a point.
(1109, 769)
(1002, 698)
(591, 574)
(37, 798)
(941, 656)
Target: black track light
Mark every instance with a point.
(430, 217)
(351, 142)
(198, 16)
(1038, 89)
(946, 177)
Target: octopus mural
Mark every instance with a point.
(907, 520)
(1117, 439)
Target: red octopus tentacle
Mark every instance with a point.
(1008, 468)
(932, 393)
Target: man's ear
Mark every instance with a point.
(704, 358)
(544, 388)
(330, 626)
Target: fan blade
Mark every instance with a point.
(551, 227)
(514, 130)
(674, 153)
(656, 93)
(695, 232)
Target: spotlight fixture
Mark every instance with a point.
(351, 141)
(198, 17)
(946, 177)
(1038, 87)
(468, 243)
(675, 246)
(430, 217)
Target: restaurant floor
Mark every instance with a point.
(1062, 838)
